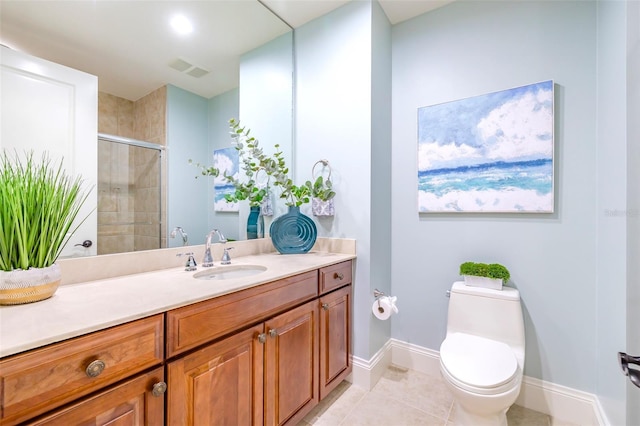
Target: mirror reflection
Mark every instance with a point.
(163, 98)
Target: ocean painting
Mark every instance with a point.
(489, 153)
(225, 160)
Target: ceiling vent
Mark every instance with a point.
(182, 65)
(197, 72)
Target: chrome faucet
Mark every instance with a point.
(191, 264)
(207, 262)
(183, 234)
(226, 259)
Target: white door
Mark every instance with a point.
(47, 106)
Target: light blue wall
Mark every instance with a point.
(380, 170)
(266, 93)
(611, 152)
(333, 121)
(186, 139)
(221, 108)
(470, 48)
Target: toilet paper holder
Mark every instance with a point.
(378, 294)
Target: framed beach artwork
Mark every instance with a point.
(225, 160)
(489, 153)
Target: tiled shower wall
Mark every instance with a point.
(128, 184)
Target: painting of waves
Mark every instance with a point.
(225, 160)
(490, 153)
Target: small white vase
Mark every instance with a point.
(25, 286)
(484, 282)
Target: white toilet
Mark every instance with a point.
(482, 355)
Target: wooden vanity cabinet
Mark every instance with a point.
(44, 379)
(272, 373)
(265, 374)
(265, 355)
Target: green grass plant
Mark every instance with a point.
(38, 205)
(493, 270)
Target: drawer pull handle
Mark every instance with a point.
(338, 276)
(262, 337)
(159, 389)
(95, 368)
(273, 332)
(325, 306)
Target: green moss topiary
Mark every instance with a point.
(493, 270)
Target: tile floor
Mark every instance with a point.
(402, 398)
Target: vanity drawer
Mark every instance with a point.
(39, 380)
(335, 276)
(202, 322)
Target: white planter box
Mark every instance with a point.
(475, 281)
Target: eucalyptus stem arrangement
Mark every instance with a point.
(254, 161)
(252, 158)
(321, 189)
(39, 203)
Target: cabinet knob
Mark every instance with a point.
(159, 389)
(338, 276)
(273, 332)
(325, 306)
(262, 337)
(95, 368)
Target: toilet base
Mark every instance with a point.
(465, 418)
(472, 409)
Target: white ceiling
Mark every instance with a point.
(129, 46)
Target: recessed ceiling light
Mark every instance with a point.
(181, 25)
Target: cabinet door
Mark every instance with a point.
(291, 365)
(136, 402)
(335, 339)
(220, 384)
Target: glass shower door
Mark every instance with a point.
(129, 195)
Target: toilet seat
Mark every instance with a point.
(478, 364)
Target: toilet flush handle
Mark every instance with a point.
(448, 293)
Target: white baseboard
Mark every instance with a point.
(560, 402)
(366, 373)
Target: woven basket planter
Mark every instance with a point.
(26, 286)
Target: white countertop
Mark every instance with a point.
(77, 309)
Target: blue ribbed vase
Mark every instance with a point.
(293, 232)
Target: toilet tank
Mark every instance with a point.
(494, 314)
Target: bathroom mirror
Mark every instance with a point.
(130, 46)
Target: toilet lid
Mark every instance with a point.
(478, 361)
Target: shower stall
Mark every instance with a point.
(130, 195)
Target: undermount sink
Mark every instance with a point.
(229, 272)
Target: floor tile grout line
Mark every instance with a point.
(407, 404)
(353, 407)
(449, 413)
(446, 418)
